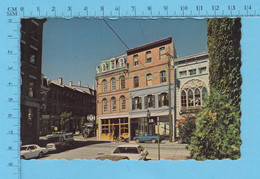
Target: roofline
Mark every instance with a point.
(193, 56)
(149, 45)
(109, 59)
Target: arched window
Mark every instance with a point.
(149, 79)
(122, 82)
(113, 84)
(104, 102)
(112, 64)
(163, 76)
(113, 104)
(122, 64)
(183, 99)
(197, 97)
(204, 93)
(122, 102)
(190, 98)
(104, 85)
(104, 67)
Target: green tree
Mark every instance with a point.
(65, 120)
(217, 134)
(224, 36)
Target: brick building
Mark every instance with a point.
(149, 87)
(31, 62)
(78, 100)
(112, 98)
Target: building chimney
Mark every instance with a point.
(70, 83)
(79, 83)
(87, 86)
(93, 86)
(60, 81)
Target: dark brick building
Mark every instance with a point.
(31, 62)
(79, 101)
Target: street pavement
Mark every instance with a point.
(92, 148)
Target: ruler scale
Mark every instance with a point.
(14, 12)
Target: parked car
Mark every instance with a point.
(132, 151)
(145, 138)
(59, 142)
(32, 151)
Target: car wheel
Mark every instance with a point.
(40, 155)
(153, 141)
(22, 157)
(137, 140)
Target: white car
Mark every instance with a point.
(132, 151)
(32, 151)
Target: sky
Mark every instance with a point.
(73, 48)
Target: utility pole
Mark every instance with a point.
(158, 135)
(170, 95)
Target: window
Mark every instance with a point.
(163, 76)
(163, 99)
(183, 73)
(31, 88)
(192, 72)
(104, 105)
(104, 85)
(197, 97)
(136, 103)
(204, 93)
(113, 84)
(113, 104)
(149, 79)
(136, 81)
(149, 101)
(148, 57)
(122, 102)
(162, 54)
(32, 59)
(117, 64)
(190, 98)
(30, 117)
(183, 99)
(104, 67)
(112, 64)
(135, 60)
(202, 70)
(122, 64)
(122, 82)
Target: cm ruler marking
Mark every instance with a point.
(12, 86)
(179, 10)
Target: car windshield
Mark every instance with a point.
(130, 150)
(23, 148)
(53, 139)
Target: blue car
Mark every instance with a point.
(150, 138)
